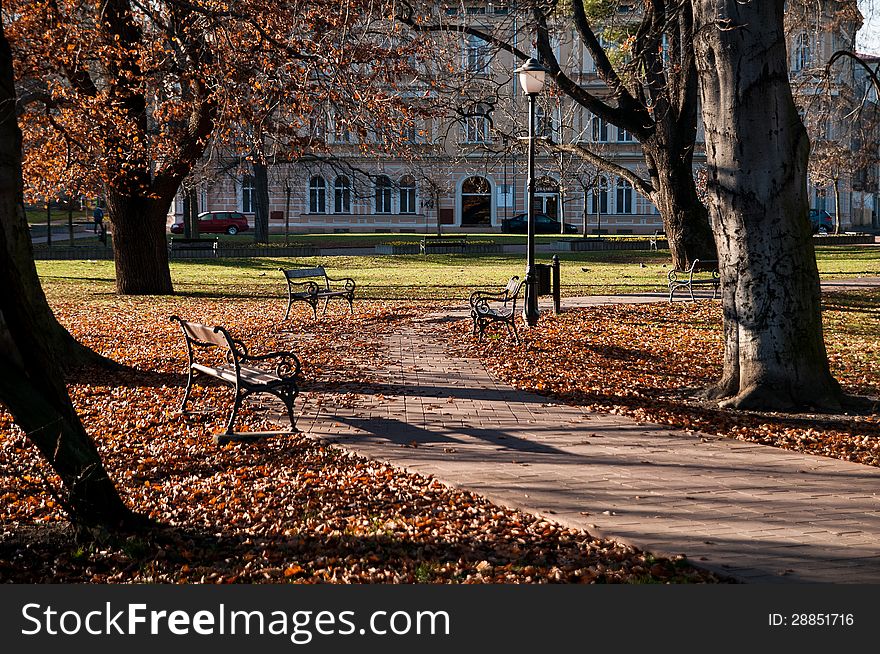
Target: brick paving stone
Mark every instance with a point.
(757, 513)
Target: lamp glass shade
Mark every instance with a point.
(531, 81)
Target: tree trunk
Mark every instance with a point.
(757, 150)
(31, 383)
(685, 217)
(140, 249)
(837, 220)
(261, 203)
(65, 349)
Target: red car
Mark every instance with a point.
(217, 222)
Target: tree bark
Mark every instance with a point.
(261, 204)
(685, 217)
(31, 383)
(757, 150)
(140, 249)
(64, 348)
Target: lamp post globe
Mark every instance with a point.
(531, 78)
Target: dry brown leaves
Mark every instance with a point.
(651, 361)
(283, 509)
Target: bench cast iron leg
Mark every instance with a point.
(189, 382)
(238, 397)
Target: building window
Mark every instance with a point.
(383, 194)
(801, 57)
(545, 126)
(317, 195)
(342, 195)
(476, 201)
(599, 196)
(407, 194)
(624, 196)
(476, 129)
(476, 55)
(623, 136)
(505, 195)
(248, 194)
(600, 130)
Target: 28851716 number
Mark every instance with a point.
(811, 620)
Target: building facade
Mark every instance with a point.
(465, 169)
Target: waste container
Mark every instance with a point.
(543, 272)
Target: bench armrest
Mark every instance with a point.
(499, 296)
(288, 364)
(349, 282)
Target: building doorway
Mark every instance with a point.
(547, 197)
(476, 202)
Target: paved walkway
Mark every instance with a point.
(757, 513)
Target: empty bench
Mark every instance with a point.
(701, 273)
(490, 307)
(274, 373)
(208, 245)
(303, 287)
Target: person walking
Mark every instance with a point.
(98, 217)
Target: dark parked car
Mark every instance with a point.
(217, 222)
(821, 221)
(544, 224)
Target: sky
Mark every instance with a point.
(868, 38)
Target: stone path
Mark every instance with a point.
(757, 513)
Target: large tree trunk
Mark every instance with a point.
(64, 348)
(757, 149)
(139, 245)
(31, 383)
(685, 217)
(261, 204)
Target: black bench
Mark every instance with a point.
(488, 307)
(686, 278)
(301, 286)
(193, 245)
(239, 369)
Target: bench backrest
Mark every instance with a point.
(297, 273)
(196, 333)
(512, 288)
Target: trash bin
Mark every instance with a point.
(542, 271)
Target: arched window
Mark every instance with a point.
(599, 196)
(476, 201)
(407, 194)
(248, 194)
(383, 194)
(801, 56)
(342, 195)
(317, 195)
(624, 196)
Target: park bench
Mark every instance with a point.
(488, 307)
(176, 244)
(655, 238)
(301, 286)
(688, 279)
(246, 373)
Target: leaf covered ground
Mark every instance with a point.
(651, 361)
(282, 509)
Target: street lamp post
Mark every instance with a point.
(531, 79)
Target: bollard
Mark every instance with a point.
(557, 296)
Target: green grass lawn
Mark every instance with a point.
(443, 276)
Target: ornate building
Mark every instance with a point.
(464, 169)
